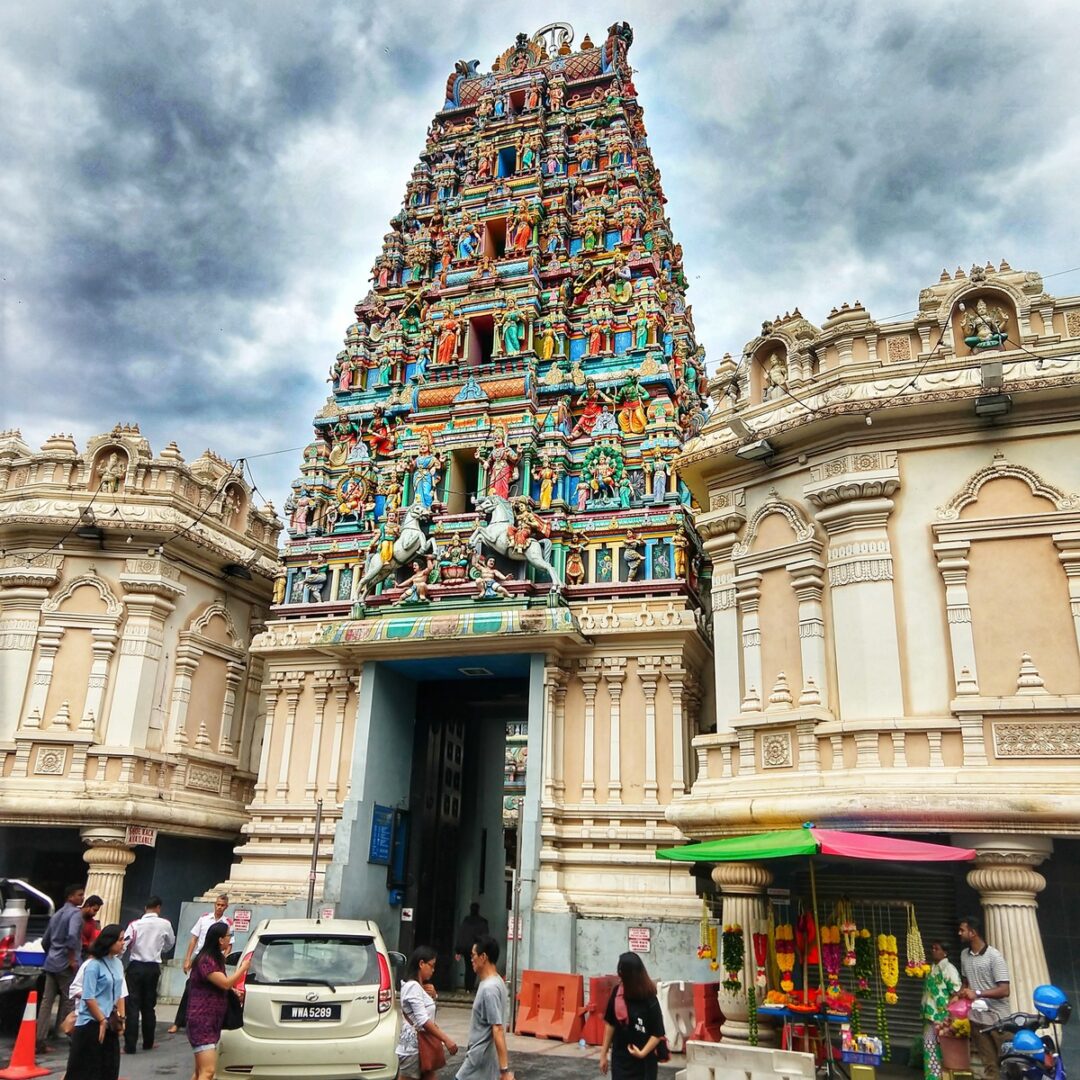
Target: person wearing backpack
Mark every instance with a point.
(633, 1025)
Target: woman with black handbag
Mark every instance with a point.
(422, 1045)
(634, 1040)
(208, 1000)
(99, 1019)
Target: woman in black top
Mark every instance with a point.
(633, 1024)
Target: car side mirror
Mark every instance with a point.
(397, 962)
(233, 958)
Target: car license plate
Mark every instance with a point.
(305, 1011)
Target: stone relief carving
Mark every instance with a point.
(204, 778)
(776, 750)
(50, 761)
(113, 606)
(802, 528)
(1060, 739)
(996, 470)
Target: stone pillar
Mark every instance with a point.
(107, 856)
(234, 672)
(676, 678)
(808, 584)
(1008, 886)
(1069, 554)
(953, 563)
(273, 693)
(322, 693)
(187, 660)
(648, 671)
(748, 597)
(614, 675)
(742, 886)
(589, 674)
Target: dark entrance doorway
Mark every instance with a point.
(460, 853)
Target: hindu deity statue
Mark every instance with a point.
(111, 474)
(681, 543)
(641, 327)
(984, 328)
(545, 340)
(631, 398)
(511, 323)
(548, 475)
(454, 560)
(380, 435)
(633, 555)
(525, 522)
(449, 327)
(576, 544)
(468, 241)
(500, 460)
(592, 402)
(776, 376)
(427, 471)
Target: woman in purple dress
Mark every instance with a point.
(209, 988)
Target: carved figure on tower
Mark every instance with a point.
(448, 327)
(631, 398)
(500, 461)
(511, 324)
(427, 471)
(591, 401)
(984, 327)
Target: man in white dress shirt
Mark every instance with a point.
(147, 938)
(195, 943)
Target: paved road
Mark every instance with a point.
(532, 1059)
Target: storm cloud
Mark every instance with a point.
(193, 193)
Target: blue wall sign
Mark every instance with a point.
(382, 835)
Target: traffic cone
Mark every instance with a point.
(22, 1065)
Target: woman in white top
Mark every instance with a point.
(418, 1011)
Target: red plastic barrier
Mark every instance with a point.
(552, 1005)
(600, 991)
(707, 1014)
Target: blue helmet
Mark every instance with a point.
(1027, 1042)
(1052, 1003)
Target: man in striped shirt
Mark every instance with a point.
(985, 978)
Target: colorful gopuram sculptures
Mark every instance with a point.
(518, 382)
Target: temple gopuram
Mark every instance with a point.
(487, 651)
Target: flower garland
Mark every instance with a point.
(832, 954)
(916, 966)
(761, 955)
(784, 945)
(751, 1014)
(848, 929)
(889, 966)
(707, 941)
(864, 963)
(883, 1030)
(856, 1018)
(734, 951)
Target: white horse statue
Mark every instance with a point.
(410, 544)
(495, 535)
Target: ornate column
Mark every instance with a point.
(676, 676)
(341, 688)
(103, 645)
(648, 670)
(852, 496)
(107, 856)
(1008, 886)
(589, 674)
(294, 687)
(322, 693)
(808, 583)
(1069, 554)
(742, 887)
(49, 637)
(273, 693)
(719, 530)
(234, 672)
(614, 675)
(953, 564)
(187, 660)
(747, 599)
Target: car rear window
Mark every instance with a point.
(326, 958)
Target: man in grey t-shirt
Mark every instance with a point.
(985, 978)
(486, 1057)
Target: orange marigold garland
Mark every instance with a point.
(784, 943)
(916, 966)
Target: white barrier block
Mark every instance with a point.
(677, 1006)
(737, 1061)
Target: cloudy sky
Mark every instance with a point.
(193, 193)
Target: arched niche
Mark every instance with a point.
(234, 506)
(1000, 304)
(109, 469)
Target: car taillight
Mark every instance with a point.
(386, 990)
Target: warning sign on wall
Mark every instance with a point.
(241, 920)
(639, 939)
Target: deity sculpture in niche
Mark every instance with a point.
(454, 561)
(776, 376)
(511, 325)
(380, 433)
(312, 583)
(449, 327)
(606, 424)
(592, 402)
(633, 555)
(984, 328)
(545, 340)
(280, 577)
(427, 471)
(681, 543)
(500, 461)
(111, 473)
(631, 398)
(548, 474)
(468, 241)
(576, 544)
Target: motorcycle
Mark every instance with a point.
(1028, 1055)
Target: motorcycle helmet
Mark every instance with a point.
(1052, 1003)
(1027, 1042)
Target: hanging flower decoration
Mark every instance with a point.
(864, 963)
(751, 1015)
(734, 954)
(761, 956)
(883, 1030)
(784, 945)
(916, 965)
(832, 953)
(706, 949)
(889, 966)
(848, 930)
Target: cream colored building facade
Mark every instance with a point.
(892, 512)
(130, 586)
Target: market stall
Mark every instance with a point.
(826, 974)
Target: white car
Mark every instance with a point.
(319, 1003)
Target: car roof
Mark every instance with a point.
(314, 927)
